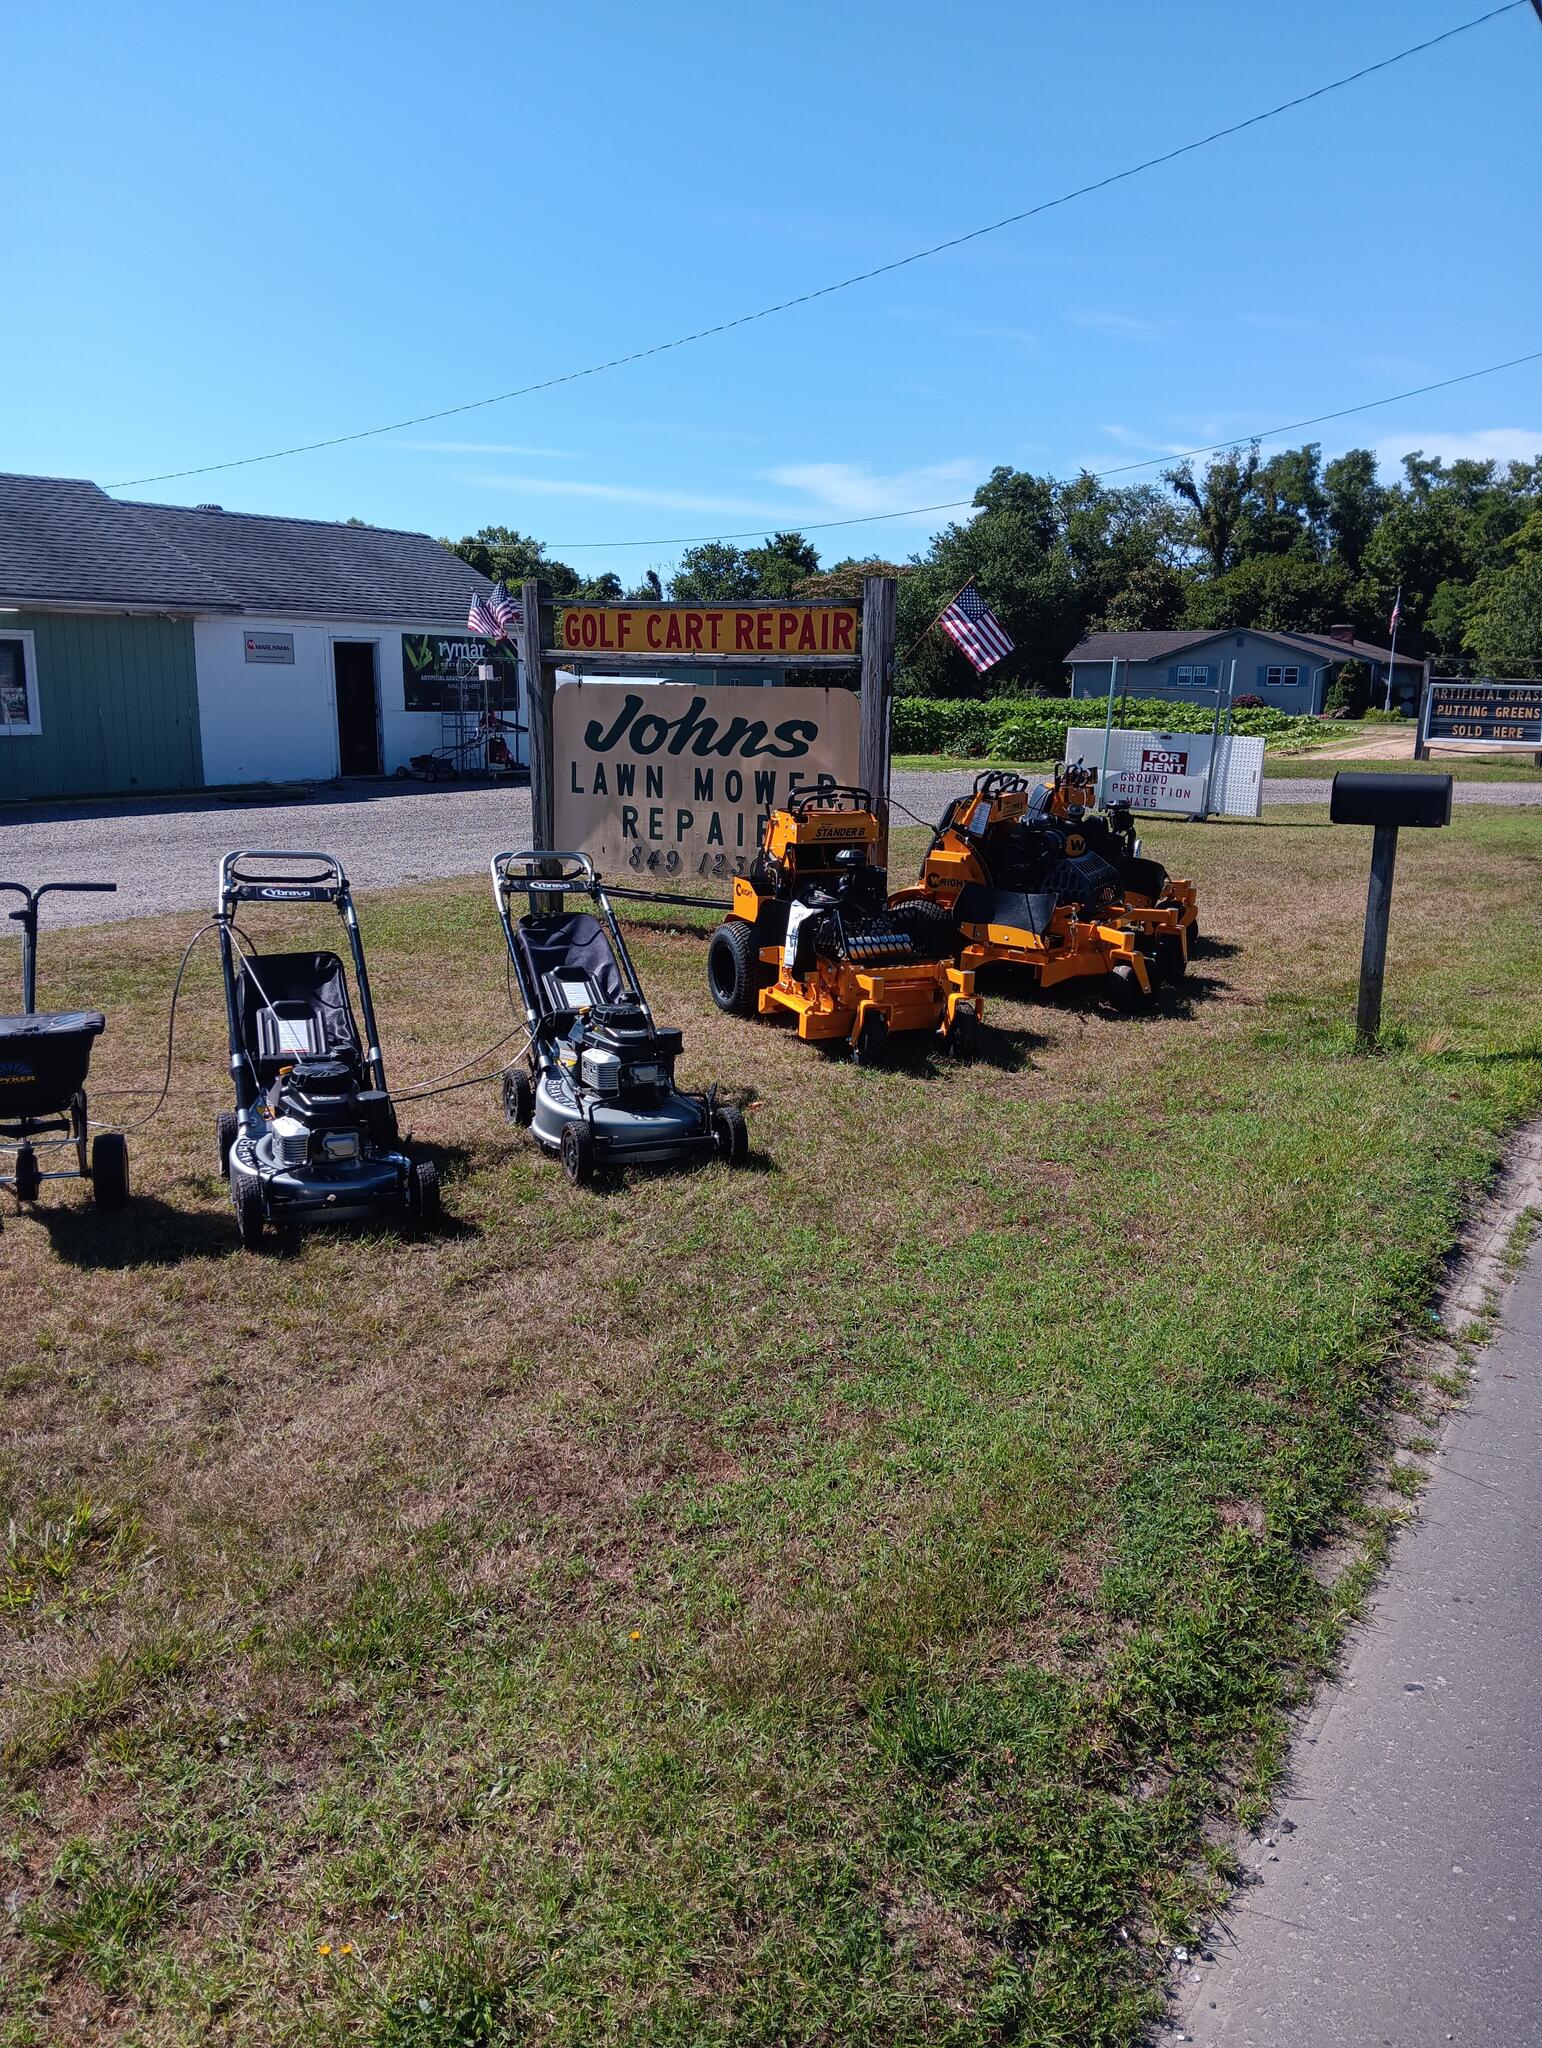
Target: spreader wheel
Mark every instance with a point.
(578, 1153)
(872, 1040)
(109, 1170)
(227, 1128)
(29, 1182)
(730, 1134)
(733, 968)
(519, 1097)
(423, 1204)
(246, 1193)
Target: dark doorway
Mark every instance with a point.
(358, 707)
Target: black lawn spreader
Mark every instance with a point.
(598, 1088)
(313, 1136)
(44, 1059)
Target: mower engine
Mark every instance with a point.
(618, 1051)
(319, 1116)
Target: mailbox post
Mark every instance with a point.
(1383, 802)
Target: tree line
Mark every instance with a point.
(1286, 543)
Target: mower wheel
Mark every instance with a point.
(733, 968)
(29, 1182)
(1122, 989)
(872, 1040)
(578, 1153)
(519, 1098)
(246, 1193)
(423, 1204)
(109, 1170)
(227, 1128)
(730, 1134)
(1171, 962)
(963, 1040)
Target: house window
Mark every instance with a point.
(1193, 678)
(1282, 678)
(19, 713)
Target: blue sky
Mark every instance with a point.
(230, 230)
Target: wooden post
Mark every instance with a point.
(1421, 744)
(538, 696)
(1373, 953)
(879, 596)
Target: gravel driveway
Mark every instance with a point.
(163, 854)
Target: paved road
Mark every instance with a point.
(163, 854)
(1401, 1899)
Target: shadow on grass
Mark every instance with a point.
(149, 1232)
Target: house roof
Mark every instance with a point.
(64, 541)
(1158, 646)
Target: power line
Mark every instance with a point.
(681, 540)
(846, 283)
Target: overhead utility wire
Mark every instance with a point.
(681, 540)
(658, 348)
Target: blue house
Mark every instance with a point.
(1293, 671)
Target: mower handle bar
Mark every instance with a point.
(233, 881)
(813, 799)
(576, 869)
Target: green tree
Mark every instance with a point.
(504, 552)
(1355, 504)
(714, 573)
(1278, 593)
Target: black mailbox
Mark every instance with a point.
(1390, 799)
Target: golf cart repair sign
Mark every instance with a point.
(439, 673)
(1173, 771)
(1483, 714)
(671, 779)
(825, 632)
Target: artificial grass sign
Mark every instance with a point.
(676, 778)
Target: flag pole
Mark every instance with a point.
(1108, 723)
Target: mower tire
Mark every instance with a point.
(1122, 989)
(730, 1134)
(578, 1153)
(1171, 962)
(29, 1182)
(519, 1098)
(109, 1170)
(930, 925)
(227, 1128)
(872, 1040)
(733, 968)
(246, 1193)
(962, 1042)
(424, 1208)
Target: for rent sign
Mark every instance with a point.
(669, 779)
(785, 632)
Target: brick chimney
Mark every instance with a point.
(1342, 632)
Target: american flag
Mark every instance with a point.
(971, 625)
(1397, 610)
(480, 619)
(505, 609)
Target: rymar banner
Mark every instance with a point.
(439, 673)
(672, 779)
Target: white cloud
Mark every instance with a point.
(1129, 326)
(1486, 444)
(632, 494)
(849, 490)
(1128, 438)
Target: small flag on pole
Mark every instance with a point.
(973, 627)
(504, 608)
(1397, 610)
(480, 618)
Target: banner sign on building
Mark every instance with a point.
(271, 647)
(806, 632)
(676, 779)
(439, 673)
(1172, 771)
(1483, 714)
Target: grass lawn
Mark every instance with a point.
(964, 764)
(1465, 768)
(828, 1603)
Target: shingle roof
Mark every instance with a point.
(1156, 646)
(65, 541)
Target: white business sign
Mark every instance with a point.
(1173, 771)
(271, 647)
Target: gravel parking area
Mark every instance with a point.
(163, 853)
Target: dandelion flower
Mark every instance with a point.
(323, 1948)
(637, 1635)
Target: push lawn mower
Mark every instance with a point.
(1033, 879)
(811, 932)
(312, 1138)
(598, 1083)
(44, 1058)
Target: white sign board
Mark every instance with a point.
(1171, 771)
(271, 647)
(675, 779)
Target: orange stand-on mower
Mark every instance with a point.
(811, 932)
(1034, 878)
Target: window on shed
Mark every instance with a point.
(1282, 678)
(1194, 678)
(19, 713)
